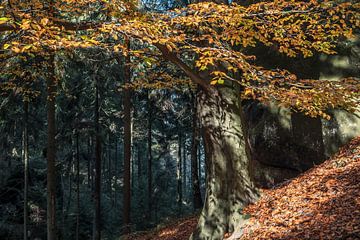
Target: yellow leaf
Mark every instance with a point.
(15, 49)
(249, 92)
(202, 68)
(4, 19)
(148, 61)
(213, 82)
(27, 47)
(115, 36)
(44, 21)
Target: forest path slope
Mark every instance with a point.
(322, 203)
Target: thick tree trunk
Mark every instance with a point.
(229, 185)
(196, 194)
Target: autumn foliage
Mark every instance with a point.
(204, 38)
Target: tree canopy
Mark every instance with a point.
(208, 41)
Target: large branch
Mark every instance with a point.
(167, 54)
(7, 27)
(193, 75)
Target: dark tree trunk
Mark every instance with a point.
(184, 169)
(62, 204)
(97, 190)
(196, 194)
(132, 171)
(77, 186)
(138, 162)
(149, 149)
(110, 170)
(51, 155)
(229, 185)
(179, 174)
(89, 167)
(199, 160)
(115, 171)
(127, 145)
(69, 175)
(26, 166)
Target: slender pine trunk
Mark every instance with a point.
(184, 169)
(179, 174)
(149, 149)
(51, 155)
(138, 151)
(115, 172)
(110, 170)
(77, 186)
(196, 194)
(127, 145)
(26, 166)
(89, 168)
(97, 190)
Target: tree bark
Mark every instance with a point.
(196, 194)
(110, 170)
(97, 191)
(51, 155)
(137, 146)
(179, 174)
(89, 165)
(149, 149)
(26, 166)
(77, 186)
(184, 169)
(115, 172)
(127, 145)
(229, 185)
(199, 159)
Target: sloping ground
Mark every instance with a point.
(323, 203)
(178, 230)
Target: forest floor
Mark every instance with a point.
(322, 203)
(177, 230)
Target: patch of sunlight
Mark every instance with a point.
(168, 232)
(15, 153)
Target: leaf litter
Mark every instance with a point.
(322, 203)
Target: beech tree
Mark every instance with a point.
(208, 42)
